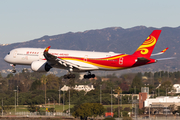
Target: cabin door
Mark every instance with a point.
(121, 61)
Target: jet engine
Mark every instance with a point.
(40, 66)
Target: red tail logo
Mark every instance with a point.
(146, 49)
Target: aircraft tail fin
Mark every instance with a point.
(146, 49)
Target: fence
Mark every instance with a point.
(41, 114)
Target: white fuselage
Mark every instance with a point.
(25, 56)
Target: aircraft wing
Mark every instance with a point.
(163, 51)
(54, 61)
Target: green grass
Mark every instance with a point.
(23, 108)
(58, 108)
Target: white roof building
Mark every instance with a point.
(176, 88)
(85, 88)
(166, 100)
(65, 88)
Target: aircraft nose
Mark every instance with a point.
(6, 58)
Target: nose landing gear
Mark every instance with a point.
(14, 69)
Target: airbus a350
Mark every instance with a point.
(42, 60)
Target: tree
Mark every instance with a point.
(166, 86)
(33, 108)
(88, 110)
(124, 86)
(52, 82)
(137, 82)
(97, 109)
(10, 75)
(0, 76)
(35, 84)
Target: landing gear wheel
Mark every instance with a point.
(93, 75)
(14, 70)
(89, 76)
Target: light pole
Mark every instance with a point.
(135, 104)
(2, 107)
(54, 102)
(149, 110)
(158, 91)
(15, 100)
(63, 100)
(17, 95)
(111, 102)
(45, 92)
(69, 102)
(132, 104)
(160, 72)
(48, 102)
(59, 95)
(100, 95)
(168, 70)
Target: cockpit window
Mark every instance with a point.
(8, 53)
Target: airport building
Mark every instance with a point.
(176, 88)
(163, 101)
(158, 105)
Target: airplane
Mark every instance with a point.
(42, 60)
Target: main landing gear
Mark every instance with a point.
(89, 75)
(14, 70)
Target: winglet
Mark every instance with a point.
(165, 50)
(47, 49)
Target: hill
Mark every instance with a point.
(114, 39)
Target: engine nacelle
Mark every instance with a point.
(40, 66)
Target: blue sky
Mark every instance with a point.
(24, 20)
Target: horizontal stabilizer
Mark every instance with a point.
(160, 52)
(166, 58)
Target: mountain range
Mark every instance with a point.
(115, 39)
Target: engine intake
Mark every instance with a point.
(40, 66)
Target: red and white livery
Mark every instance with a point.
(42, 60)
